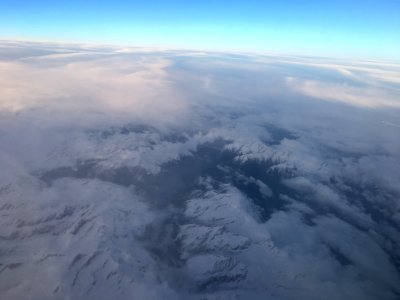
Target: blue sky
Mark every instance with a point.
(332, 28)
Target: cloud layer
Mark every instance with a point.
(149, 174)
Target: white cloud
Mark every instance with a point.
(351, 95)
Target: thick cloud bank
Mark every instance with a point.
(143, 174)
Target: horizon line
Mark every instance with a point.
(53, 41)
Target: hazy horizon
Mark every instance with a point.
(366, 29)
